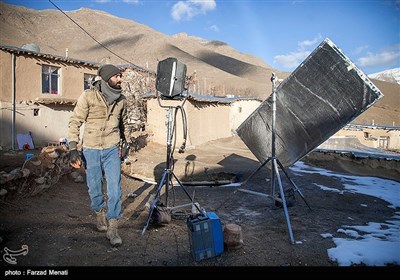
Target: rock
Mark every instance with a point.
(53, 154)
(40, 180)
(75, 174)
(10, 177)
(79, 179)
(25, 172)
(48, 149)
(36, 162)
(16, 171)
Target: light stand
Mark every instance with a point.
(274, 169)
(168, 174)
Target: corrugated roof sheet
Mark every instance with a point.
(21, 51)
(214, 99)
(55, 100)
(360, 126)
(207, 98)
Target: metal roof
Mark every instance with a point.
(207, 98)
(360, 126)
(21, 51)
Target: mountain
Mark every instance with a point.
(391, 75)
(219, 68)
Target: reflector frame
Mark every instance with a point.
(322, 95)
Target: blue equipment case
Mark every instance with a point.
(205, 236)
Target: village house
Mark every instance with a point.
(372, 136)
(38, 93)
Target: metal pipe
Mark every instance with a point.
(273, 182)
(13, 101)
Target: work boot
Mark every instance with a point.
(112, 233)
(101, 220)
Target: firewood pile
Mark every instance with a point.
(38, 173)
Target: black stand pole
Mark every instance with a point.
(274, 168)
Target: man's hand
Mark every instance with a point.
(74, 157)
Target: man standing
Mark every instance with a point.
(103, 110)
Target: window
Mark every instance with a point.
(384, 142)
(87, 80)
(50, 78)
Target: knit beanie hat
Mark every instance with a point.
(107, 71)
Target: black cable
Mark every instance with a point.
(184, 122)
(174, 134)
(171, 158)
(89, 34)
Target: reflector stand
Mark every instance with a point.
(322, 95)
(275, 176)
(168, 175)
(162, 86)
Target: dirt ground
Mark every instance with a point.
(58, 225)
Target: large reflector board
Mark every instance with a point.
(322, 95)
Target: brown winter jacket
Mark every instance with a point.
(104, 125)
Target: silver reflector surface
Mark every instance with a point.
(322, 95)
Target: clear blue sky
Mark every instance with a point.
(282, 33)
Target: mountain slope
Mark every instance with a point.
(386, 111)
(391, 76)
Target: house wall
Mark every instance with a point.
(205, 121)
(52, 120)
(28, 78)
(374, 135)
(5, 76)
(47, 127)
(240, 110)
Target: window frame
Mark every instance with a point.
(48, 76)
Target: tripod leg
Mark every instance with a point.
(153, 204)
(293, 184)
(258, 169)
(167, 181)
(149, 216)
(188, 195)
(275, 168)
(273, 179)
